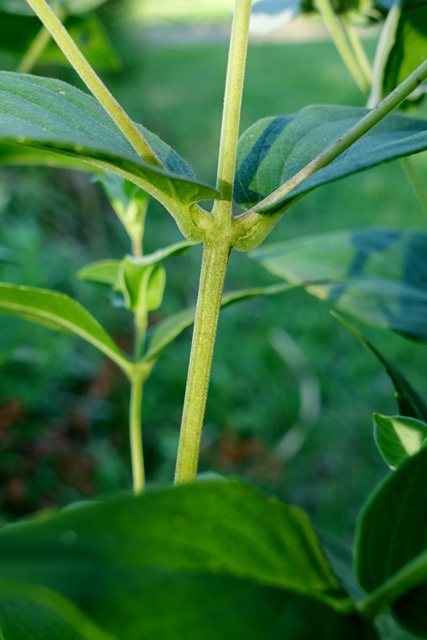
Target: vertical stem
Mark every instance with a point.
(37, 47)
(214, 265)
(138, 474)
(359, 51)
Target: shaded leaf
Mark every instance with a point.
(53, 116)
(409, 401)
(103, 272)
(275, 149)
(61, 313)
(381, 274)
(391, 536)
(398, 437)
(31, 612)
(151, 567)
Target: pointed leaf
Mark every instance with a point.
(150, 567)
(275, 149)
(61, 313)
(409, 401)
(391, 538)
(173, 250)
(53, 116)
(104, 272)
(172, 327)
(29, 612)
(382, 274)
(398, 437)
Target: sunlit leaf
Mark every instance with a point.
(398, 437)
(275, 149)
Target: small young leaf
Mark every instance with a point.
(409, 401)
(61, 313)
(275, 149)
(156, 287)
(391, 541)
(381, 274)
(29, 612)
(398, 437)
(102, 271)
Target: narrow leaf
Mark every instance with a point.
(103, 272)
(398, 437)
(381, 274)
(275, 149)
(30, 612)
(53, 116)
(391, 542)
(151, 567)
(61, 313)
(409, 401)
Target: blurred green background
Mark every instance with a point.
(63, 408)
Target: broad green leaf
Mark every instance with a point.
(214, 559)
(381, 275)
(409, 401)
(53, 116)
(410, 43)
(172, 327)
(61, 313)
(391, 538)
(398, 437)
(31, 612)
(104, 272)
(275, 149)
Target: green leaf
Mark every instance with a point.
(398, 437)
(410, 44)
(391, 544)
(409, 401)
(381, 274)
(103, 272)
(61, 313)
(53, 116)
(172, 327)
(213, 559)
(142, 285)
(275, 149)
(31, 612)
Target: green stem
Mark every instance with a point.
(214, 266)
(408, 577)
(135, 434)
(38, 45)
(415, 181)
(351, 136)
(338, 36)
(92, 81)
(358, 50)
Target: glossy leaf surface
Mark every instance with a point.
(381, 275)
(53, 116)
(275, 149)
(31, 612)
(151, 567)
(398, 437)
(392, 535)
(59, 312)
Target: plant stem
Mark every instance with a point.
(135, 435)
(351, 136)
(409, 576)
(214, 266)
(92, 81)
(233, 98)
(338, 36)
(38, 45)
(358, 50)
(415, 181)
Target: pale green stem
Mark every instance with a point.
(135, 434)
(359, 51)
(38, 45)
(408, 577)
(92, 81)
(415, 181)
(351, 136)
(338, 36)
(214, 266)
